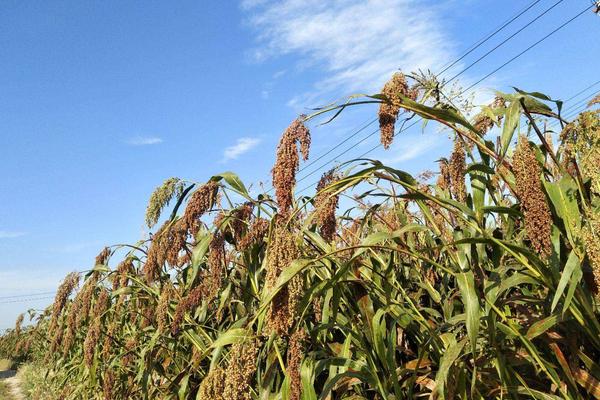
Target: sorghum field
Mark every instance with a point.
(477, 281)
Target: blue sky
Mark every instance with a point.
(102, 101)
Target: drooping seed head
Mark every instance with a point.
(18, 323)
(240, 371)
(166, 246)
(162, 308)
(240, 219)
(591, 240)
(103, 256)
(84, 297)
(456, 169)
(161, 196)
(444, 179)
(121, 277)
(538, 220)
(256, 233)
(390, 107)
(201, 201)
(282, 252)
(64, 291)
(216, 266)
(294, 361)
(213, 385)
(108, 384)
(326, 205)
(187, 304)
(287, 162)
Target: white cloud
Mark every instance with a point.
(144, 140)
(241, 146)
(11, 234)
(412, 148)
(359, 43)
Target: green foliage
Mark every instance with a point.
(419, 294)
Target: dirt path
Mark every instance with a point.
(12, 381)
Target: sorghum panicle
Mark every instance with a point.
(187, 304)
(213, 385)
(388, 110)
(256, 233)
(103, 256)
(240, 371)
(201, 201)
(161, 196)
(456, 169)
(216, 266)
(64, 291)
(325, 206)
(18, 323)
(282, 252)
(591, 239)
(538, 220)
(294, 361)
(287, 162)
(162, 309)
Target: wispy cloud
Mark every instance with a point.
(144, 140)
(358, 43)
(11, 234)
(411, 148)
(241, 146)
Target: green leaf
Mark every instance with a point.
(234, 181)
(470, 298)
(563, 195)
(571, 265)
(511, 121)
(450, 355)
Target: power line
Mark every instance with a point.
(583, 91)
(480, 80)
(27, 300)
(473, 47)
(505, 41)
(27, 295)
(485, 77)
(476, 45)
(531, 47)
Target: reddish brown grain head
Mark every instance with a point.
(213, 385)
(64, 291)
(256, 233)
(456, 169)
(282, 252)
(294, 361)
(18, 324)
(240, 371)
(538, 220)
(326, 204)
(103, 256)
(591, 239)
(201, 201)
(187, 304)
(444, 180)
(287, 161)
(393, 90)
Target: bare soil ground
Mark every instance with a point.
(12, 382)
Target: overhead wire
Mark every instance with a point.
(529, 48)
(472, 48)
